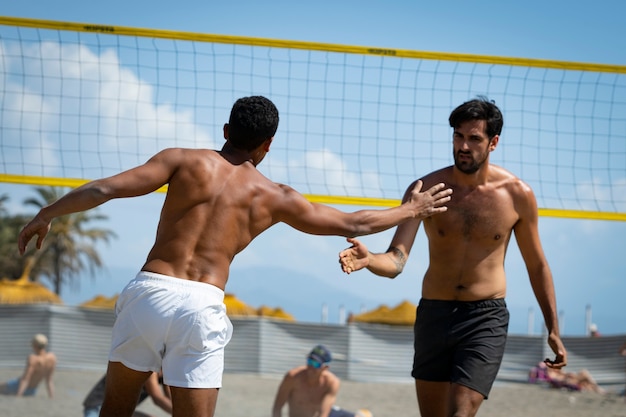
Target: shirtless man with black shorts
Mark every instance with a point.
(462, 319)
(171, 316)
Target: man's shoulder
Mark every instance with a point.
(501, 172)
(331, 381)
(330, 376)
(188, 153)
(297, 370)
(510, 180)
(439, 175)
(294, 374)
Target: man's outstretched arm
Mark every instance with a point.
(137, 181)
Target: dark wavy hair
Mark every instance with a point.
(252, 121)
(481, 108)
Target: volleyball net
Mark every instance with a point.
(357, 124)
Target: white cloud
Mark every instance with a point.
(90, 107)
(605, 195)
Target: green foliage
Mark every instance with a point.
(67, 251)
(11, 263)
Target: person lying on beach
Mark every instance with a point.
(572, 381)
(40, 365)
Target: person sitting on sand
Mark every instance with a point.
(40, 365)
(311, 390)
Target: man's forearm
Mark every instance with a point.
(389, 264)
(544, 293)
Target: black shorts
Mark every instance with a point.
(461, 342)
(339, 412)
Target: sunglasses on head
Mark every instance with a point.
(313, 363)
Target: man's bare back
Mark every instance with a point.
(210, 195)
(39, 367)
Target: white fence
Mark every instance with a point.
(80, 338)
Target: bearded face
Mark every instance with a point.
(469, 162)
(471, 146)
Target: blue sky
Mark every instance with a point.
(584, 255)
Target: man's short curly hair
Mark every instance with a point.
(252, 121)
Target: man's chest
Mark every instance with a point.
(475, 215)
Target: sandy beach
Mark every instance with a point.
(247, 395)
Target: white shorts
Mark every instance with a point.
(173, 324)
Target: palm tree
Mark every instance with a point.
(69, 246)
(3, 199)
(11, 263)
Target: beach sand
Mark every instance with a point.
(251, 395)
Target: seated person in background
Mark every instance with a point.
(557, 378)
(311, 390)
(153, 387)
(40, 365)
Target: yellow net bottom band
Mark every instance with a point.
(323, 199)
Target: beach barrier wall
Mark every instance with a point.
(361, 352)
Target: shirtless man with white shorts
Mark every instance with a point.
(172, 316)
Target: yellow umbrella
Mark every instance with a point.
(372, 316)
(401, 315)
(236, 307)
(24, 291)
(275, 313)
(101, 301)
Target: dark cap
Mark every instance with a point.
(320, 354)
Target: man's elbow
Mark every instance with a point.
(390, 274)
(385, 271)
